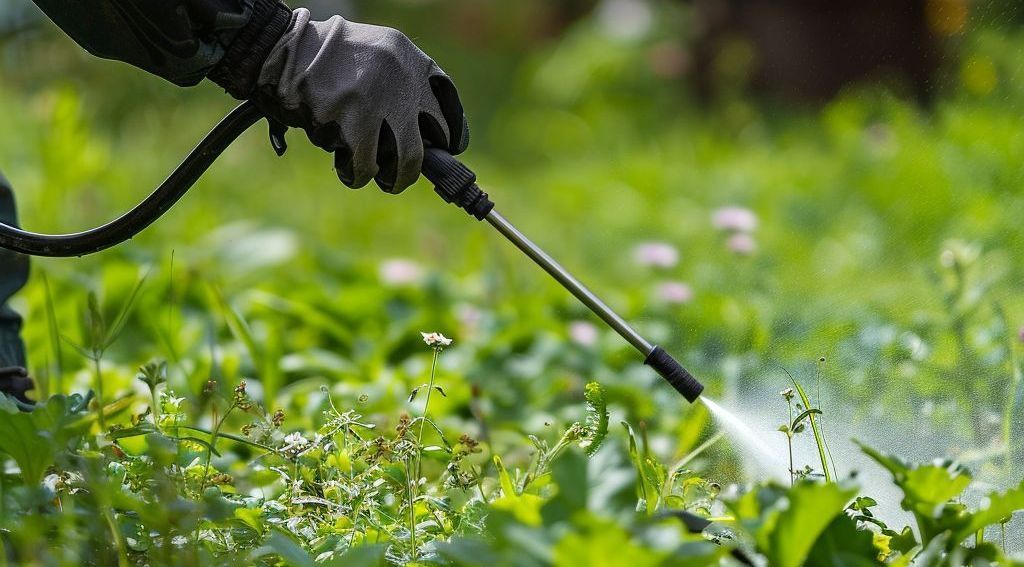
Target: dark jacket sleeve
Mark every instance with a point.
(182, 41)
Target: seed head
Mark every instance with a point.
(404, 422)
(241, 399)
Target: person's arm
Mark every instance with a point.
(182, 41)
(365, 93)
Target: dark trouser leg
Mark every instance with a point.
(13, 275)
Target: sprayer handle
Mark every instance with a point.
(680, 378)
(455, 183)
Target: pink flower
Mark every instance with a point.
(583, 333)
(656, 254)
(1020, 334)
(399, 271)
(734, 219)
(469, 316)
(675, 293)
(742, 244)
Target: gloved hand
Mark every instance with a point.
(365, 93)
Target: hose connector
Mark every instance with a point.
(674, 373)
(455, 183)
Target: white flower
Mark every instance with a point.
(294, 441)
(583, 333)
(742, 244)
(734, 219)
(656, 254)
(675, 292)
(172, 402)
(436, 339)
(399, 271)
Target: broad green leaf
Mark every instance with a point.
(602, 543)
(809, 509)
(927, 492)
(842, 544)
(999, 506)
(929, 486)
(569, 472)
(33, 438)
(252, 517)
(524, 507)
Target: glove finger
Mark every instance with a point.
(432, 132)
(387, 159)
(451, 109)
(343, 165)
(433, 126)
(326, 137)
(361, 165)
(409, 157)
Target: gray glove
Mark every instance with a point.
(365, 93)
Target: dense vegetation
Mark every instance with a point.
(259, 390)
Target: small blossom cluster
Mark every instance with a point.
(656, 255)
(398, 272)
(738, 223)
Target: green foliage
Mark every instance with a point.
(596, 424)
(785, 525)
(34, 439)
(933, 493)
(887, 236)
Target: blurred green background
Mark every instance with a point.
(881, 161)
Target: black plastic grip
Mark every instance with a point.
(455, 183)
(673, 372)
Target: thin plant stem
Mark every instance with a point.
(412, 511)
(696, 452)
(426, 410)
(156, 407)
(122, 552)
(789, 441)
(818, 439)
(57, 352)
(821, 418)
(413, 483)
(99, 390)
(213, 443)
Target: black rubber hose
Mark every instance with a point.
(153, 207)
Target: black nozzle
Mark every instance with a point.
(673, 372)
(455, 183)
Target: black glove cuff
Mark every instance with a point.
(240, 67)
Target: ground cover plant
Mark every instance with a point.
(246, 391)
